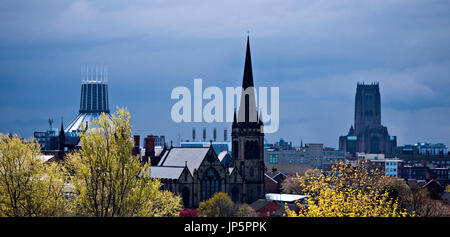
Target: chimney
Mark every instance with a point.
(137, 140)
(136, 148)
(149, 145)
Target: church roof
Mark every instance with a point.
(181, 156)
(162, 172)
(222, 155)
(82, 118)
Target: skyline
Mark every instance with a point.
(315, 52)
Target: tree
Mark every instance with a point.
(220, 205)
(245, 210)
(397, 189)
(420, 203)
(189, 213)
(28, 187)
(108, 180)
(291, 184)
(346, 191)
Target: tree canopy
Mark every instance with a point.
(346, 191)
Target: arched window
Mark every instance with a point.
(210, 183)
(235, 149)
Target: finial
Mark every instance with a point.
(171, 143)
(185, 163)
(210, 143)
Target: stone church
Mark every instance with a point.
(197, 173)
(368, 135)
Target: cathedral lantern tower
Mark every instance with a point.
(248, 138)
(94, 98)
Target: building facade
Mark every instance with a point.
(248, 138)
(368, 135)
(197, 172)
(93, 102)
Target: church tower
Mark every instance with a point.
(368, 135)
(248, 138)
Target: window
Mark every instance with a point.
(273, 158)
(210, 183)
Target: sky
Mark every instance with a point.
(314, 51)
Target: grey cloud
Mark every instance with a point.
(316, 51)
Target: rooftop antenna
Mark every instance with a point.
(101, 73)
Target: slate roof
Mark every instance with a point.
(162, 172)
(178, 156)
(270, 178)
(222, 155)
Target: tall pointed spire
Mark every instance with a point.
(247, 110)
(62, 137)
(248, 74)
(260, 118)
(234, 119)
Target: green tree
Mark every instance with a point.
(398, 190)
(28, 187)
(245, 210)
(220, 205)
(106, 176)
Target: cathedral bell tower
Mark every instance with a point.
(248, 138)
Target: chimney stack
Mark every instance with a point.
(149, 145)
(137, 140)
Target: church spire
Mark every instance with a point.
(248, 74)
(234, 119)
(62, 137)
(260, 118)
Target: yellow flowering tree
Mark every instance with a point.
(219, 205)
(345, 191)
(28, 187)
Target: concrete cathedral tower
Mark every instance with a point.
(94, 97)
(368, 135)
(248, 138)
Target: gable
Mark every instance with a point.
(211, 160)
(182, 156)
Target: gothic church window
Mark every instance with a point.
(210, 183)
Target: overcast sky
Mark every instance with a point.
(315, 51)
